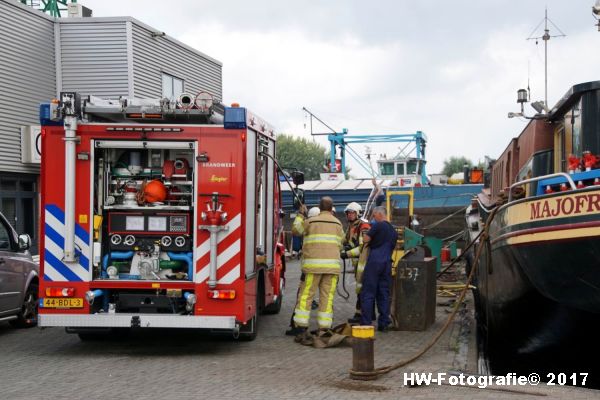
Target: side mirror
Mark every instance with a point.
(298, 177)
(24, 242)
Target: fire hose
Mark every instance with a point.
(346, 294)
(284, 176)
(484, 237)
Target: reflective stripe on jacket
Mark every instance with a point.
(354, 237)
(323, 236)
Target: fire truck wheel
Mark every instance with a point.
(110, 334)
(89, 337)
(27, 318)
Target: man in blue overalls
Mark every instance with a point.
(377, 277)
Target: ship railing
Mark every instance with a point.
(541, 178)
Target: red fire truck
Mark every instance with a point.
(158, 214)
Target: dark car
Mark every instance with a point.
(18, 278)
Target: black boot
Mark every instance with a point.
(355, 319)
(295, 331)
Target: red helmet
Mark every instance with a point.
(155, 191)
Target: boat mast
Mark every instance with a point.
(545, 37)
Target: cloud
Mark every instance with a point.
(280, 73)
(449, 69)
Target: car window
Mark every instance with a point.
(4, 237)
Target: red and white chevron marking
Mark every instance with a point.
(228, 254)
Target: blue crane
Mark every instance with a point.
(343, 139)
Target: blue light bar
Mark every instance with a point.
(235, 118)
(45, 116)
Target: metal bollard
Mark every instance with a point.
(363, 352)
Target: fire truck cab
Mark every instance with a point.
(158, 214)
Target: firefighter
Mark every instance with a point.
(294, 330)
(353, 245)
(297, 240)
(313, 212)
(377, 277)
(323, 236)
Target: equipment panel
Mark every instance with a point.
(144, 196)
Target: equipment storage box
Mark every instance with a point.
(415, 294)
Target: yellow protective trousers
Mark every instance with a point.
(326, 284)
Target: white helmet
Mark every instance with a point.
(313, 212)
(354, 206)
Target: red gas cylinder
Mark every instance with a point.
(446, 255)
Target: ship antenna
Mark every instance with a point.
(545, 37)
(528, 79)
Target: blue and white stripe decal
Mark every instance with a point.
(54, 230)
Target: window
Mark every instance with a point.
(387, 168)
(4, 238)
(400, 169)
(560, 153)
(576, 129)
(412, 167)
(18, 194)
(172, 87)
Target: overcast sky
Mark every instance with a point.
(448, 68)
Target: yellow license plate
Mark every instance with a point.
(59, 302)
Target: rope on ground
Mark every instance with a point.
(452, 290)
(384, 370)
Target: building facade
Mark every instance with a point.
(105, 57)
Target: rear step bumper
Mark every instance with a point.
(136, 321)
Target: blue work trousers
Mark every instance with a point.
(376, 284)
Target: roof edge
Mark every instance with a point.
(572, 95)
(31, 10)
(140, 24)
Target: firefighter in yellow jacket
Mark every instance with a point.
(323, 236)
(353, 246)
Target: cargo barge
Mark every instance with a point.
(537, 295)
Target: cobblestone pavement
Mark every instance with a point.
(167, 364)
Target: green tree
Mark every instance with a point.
(455, 164)
(302, 154)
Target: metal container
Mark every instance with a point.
(415, 294)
